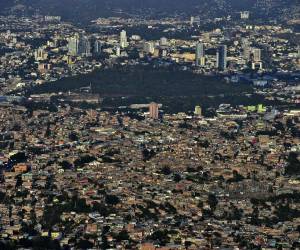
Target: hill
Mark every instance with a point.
(85, 10)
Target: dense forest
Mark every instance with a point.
(142, 81)
(176, 90)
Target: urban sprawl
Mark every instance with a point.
(76, 176)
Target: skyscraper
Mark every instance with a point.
(79, 45)
(123, 39)
(153, 110)
(149, 47)
(246, 53)
(97, 47)
(84, 46)
(246, 49)
(222, 58)
(118, 51)
(192, 21)
(200, 59)
(256, 55)
(198, 111)
(73, 45)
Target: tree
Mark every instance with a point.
(123, 235)
(147, 154)
(112, 199)
(293, 167)
(212, 201)
(65, 164)
(101, 209)
(161, 236)
(44, 243)
(73, 136)
(2, 196)
(177, 177)
(84, 244)
(83, 160)
(166, 170)
(19, 157)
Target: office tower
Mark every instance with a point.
(192, 21)
(73, 45)
(84, 46)
(153, 110)
(256, 55)
(123, 39)
(40, 54)
(118, 51)
(246, 49)
(200, 56)
(136, 38)
(97, 47)
(79, 45)
(52, 18)
(245, 14)
(198, 111)
(163, 41)
(246, 53)
(156, 52)
(222, 58)
(44, 67)
(149, 47)
(162, 53)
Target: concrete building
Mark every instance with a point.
(123, 39)
(222, 58)
(200, 54)
(198, 111)
(153, 110)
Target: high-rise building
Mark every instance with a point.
(246, 49)
(149, 47)
(192, 21)
(97, 47)
(136, 37)
(40, 54)
(222, 58)
(198, 111)
(256, 55)
(153, 110)
(200, 54)
(73, 45)
(84, 46)
(246, 53)
(118, 51)
(245, 14)
(162, 52)
(79, 46)
(123, 39)
(163, 41)
(52, 18)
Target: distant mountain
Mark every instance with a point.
(85, 10)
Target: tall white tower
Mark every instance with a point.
(123, 39)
